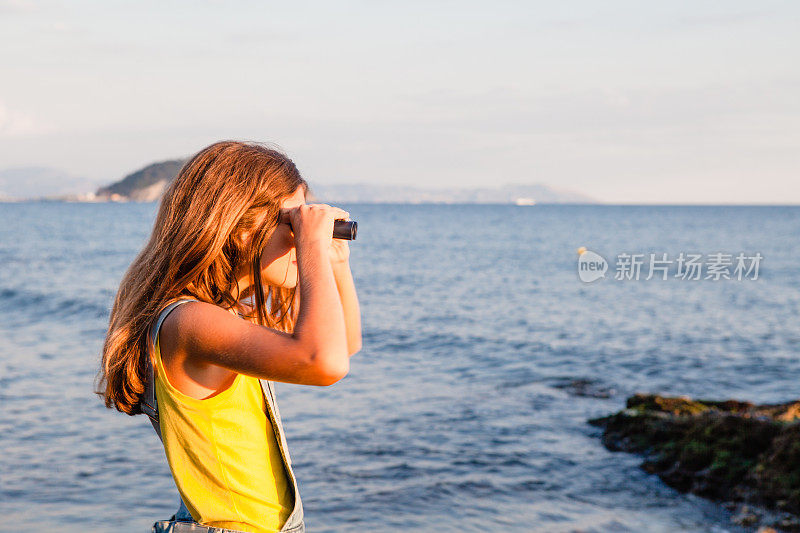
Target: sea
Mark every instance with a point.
(485, 352)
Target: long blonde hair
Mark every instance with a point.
(194, 250)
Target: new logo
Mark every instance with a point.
(591, 265)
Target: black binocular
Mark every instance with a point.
(345, 229)
(342, 229)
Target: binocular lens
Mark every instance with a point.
(345, 229)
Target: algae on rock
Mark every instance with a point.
(730, 451)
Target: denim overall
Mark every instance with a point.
(182, 520)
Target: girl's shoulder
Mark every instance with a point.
(189, 376)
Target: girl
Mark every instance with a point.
(240, 284)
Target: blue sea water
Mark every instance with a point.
(483, 356)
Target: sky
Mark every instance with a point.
(627, 102)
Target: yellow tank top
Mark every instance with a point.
(224, 455)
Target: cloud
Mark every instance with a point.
(16, 124)
(15, 6)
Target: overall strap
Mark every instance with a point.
(148, 401)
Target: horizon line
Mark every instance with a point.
(8, 200)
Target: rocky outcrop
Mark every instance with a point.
(145, 185)
(744, 455)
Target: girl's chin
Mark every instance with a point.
(287, 284)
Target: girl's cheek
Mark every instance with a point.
(282, 237)
(289, 240)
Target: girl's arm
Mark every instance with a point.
(352, 313)
(203, 335)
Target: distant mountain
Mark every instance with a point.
(23, 183)
(504, 194)
(145, 185)
(148, 184)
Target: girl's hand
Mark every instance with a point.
(340, 251)
(313, 223)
